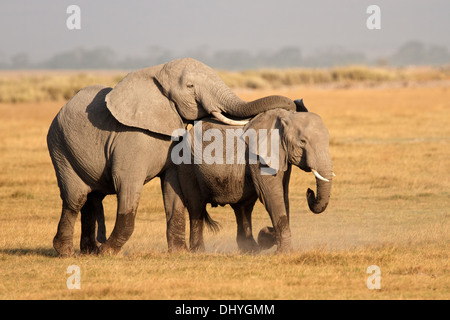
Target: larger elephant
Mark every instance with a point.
(112, 141)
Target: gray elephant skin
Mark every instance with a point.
(113, 140)
(303, 142)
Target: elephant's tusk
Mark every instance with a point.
(318, 176)
(226, 120)
(334, 174)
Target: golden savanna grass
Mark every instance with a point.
(38, 86)
(389, 207)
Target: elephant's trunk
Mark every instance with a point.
(319, 204)
(249, 109)
(228, 102)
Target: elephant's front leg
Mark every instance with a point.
(175, 210)
(282, 232)
(123, 229)
(127, 204)
(271, 193)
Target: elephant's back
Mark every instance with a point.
(79, 120)
(88, 99)
(80, 131)
(218, 157)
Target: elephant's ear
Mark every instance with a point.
(137, 101)
(269, 147)
(300, 106)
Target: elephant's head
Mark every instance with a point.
(304, 142)
(159, 98)
(307, 142)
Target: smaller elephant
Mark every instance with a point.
(247, 174)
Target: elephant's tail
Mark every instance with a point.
(213, 225)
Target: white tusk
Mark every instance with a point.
(334, 174)
(318, 176)
(226, 120)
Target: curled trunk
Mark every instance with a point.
(319, 203)
(249, 109)
(228, 102)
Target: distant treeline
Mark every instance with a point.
(411, 53)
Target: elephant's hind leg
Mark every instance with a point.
(91, 214)
(245, 240)
(195, 205)
(63, 240)
(196, 243)
(73, 194)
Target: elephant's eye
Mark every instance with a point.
(190, 85)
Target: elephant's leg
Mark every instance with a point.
(73, 194)
(195, 205)
(280, 224)
(127, 204)
(245, 240)
(101, 227)
(92, 213)
(272, 195)
(267, 235)
(175, 210)
(286, 178)
(63, 240)
(196, 242)
(197, 212)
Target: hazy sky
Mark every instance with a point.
(131, 27)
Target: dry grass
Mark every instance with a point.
(389, 207)
(38, 86)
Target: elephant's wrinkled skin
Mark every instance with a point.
(113, 141)
(304, 142)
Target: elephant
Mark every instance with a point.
(303, 142)
(114, 140)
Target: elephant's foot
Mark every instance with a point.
(64, 248)
(284, 245)
(177, 246)
(89, 246)
(109, 248)
(248, 245)
(284, 249)
(267, 238)
(101, 238)
(176, 242)
(199, 247)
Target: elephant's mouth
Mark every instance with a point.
(219, 116)
(316, 173)
(303, 167)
